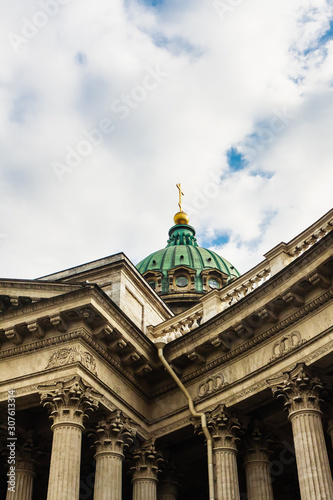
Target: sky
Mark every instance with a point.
(105, 106)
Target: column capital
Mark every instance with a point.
(113, 434)
(257, 445)
(299, 389)
(27, 452)
(147, 462)
(69, 402)
(170, 480)
(224, 427)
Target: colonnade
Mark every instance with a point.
(69, 403)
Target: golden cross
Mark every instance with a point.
(179, 187)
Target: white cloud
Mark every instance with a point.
(224, 78)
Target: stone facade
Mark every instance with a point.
(89, 412)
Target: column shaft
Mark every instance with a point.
(258, 480)
(64, 480)
(314, 474)
(227, 487)
(144, 489)
(330, 430)
(167, 491)
(108, 479)
(24, 485)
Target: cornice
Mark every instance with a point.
(45, 303)
(93, 292)
(40, 285)
(77, 334)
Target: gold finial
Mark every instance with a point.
(180, 217)
(180, 196)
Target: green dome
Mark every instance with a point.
(183, 250)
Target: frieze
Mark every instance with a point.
(211, 385)
(65, 356)
(246, 392)
(171, 427)
(317, 354)
(286, 344)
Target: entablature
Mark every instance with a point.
(89, 311)
(285, 298)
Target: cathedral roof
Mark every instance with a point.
(183, 250)
(183, 271)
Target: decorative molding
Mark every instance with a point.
(212, 384)
(286, 344)
(66, 356)
(245, 392)
(32, 389)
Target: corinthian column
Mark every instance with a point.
(24, 479)
(300, 391)
(112, 436)
(26, 453)
(257, 466)
(330, 429)
(224, 429)
(144, 472)
(168, 486)
(68, 403)
(330, 418)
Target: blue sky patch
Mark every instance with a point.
(80, 58)
(236, 160)
(262, 173)
(217, 241)
(153, 3)
(268, 217)
(320, 42)
(328, 35)
(23, 106)
(177, 45)
(220, 240)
